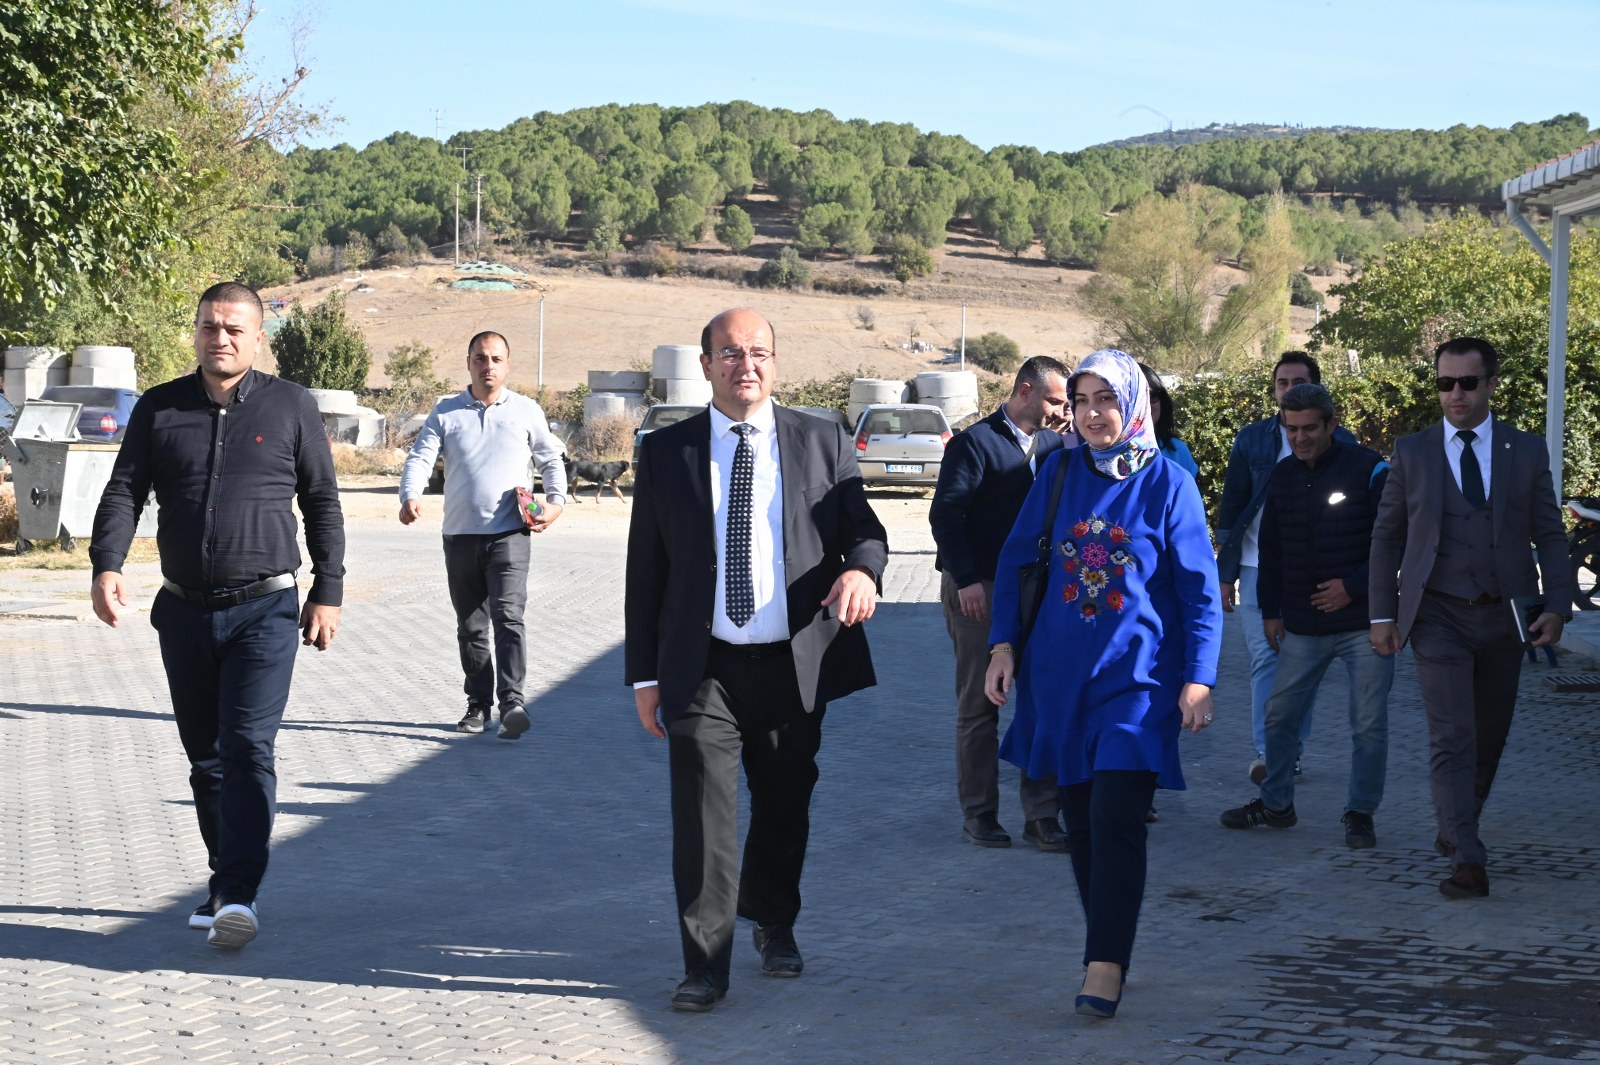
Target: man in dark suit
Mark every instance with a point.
(1467, 503)
(987, 471)
(753, 557)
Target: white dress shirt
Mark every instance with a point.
(1483, 447)
(1024, 440)
(1250, 550)
(770, 622)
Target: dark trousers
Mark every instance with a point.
(978, 720)
(488, 577)
(228, 671)
(1468, 662)
(1105, 820)
(746, 708)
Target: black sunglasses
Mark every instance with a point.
(1468, 383)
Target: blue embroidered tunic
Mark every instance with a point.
(1131, 613)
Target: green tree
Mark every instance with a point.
(87, 188)
(682, 221)
(908, 259)
(788, 270)
(320, 348)
(995, 352)
(735, 229)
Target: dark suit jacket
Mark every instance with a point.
(982, 482)
(828, 527)
(1405, 537)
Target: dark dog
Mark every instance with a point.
(600, 474)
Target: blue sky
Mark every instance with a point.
(1056, 75)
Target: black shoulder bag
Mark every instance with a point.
(1033, 577)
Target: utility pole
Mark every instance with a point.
(477, 223)
(963, 336)
(458, 223)
(541, 340)
(438, 113)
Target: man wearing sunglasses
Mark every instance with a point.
(1468, 501)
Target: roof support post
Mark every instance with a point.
(1556, 387)
(1514, 212)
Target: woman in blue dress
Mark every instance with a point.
(1123, 653)
(1161, 418)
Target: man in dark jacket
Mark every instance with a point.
(986, 475)
(1316, 531)
(1256, 450)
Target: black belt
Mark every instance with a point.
(1483, 600)
(751, 650)
(224, 597)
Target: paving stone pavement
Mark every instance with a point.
(435, 897)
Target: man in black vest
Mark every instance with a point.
(987, 471)
(1316, 528)
(1467, 502)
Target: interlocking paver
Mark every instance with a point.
(446, 898)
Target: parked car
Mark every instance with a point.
(659, 417)
(104, 417)
(901, 443)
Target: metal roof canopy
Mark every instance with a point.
(1568, 187)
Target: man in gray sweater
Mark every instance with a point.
(487, 434)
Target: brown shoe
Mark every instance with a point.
(1466, 881)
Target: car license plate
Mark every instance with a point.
(902, 467)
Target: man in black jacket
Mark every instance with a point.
(753, 559)
(1316, 531)
(986, 475)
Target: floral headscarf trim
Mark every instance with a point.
(1136, 447)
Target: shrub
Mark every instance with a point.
(821, 391)
(413, 388)
(1302, 293)
(652, 260)
(848, 285)
(908, 259)
(319, 348)
(606, 438)
(564, 407)
(788, 270)
(995, 352)
(866, 318)
(736, 230)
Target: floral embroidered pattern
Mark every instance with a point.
(1096, 555)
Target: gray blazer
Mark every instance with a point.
(828, 527)
(1405, 537)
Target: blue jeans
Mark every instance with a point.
(1263, 664)
(1302, 662)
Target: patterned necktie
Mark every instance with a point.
(739, 599)
(1471, 472)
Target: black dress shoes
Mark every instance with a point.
(1046, 834)
(1466, 881)
(700, 991)
(985, 831)
(779, 954)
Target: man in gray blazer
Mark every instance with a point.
(1467, 503)
(753, 557)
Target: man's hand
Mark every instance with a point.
(857, 596)
(1331, 596)
(548, 513)
(318, 623)
(1549, 627)
(1273, 628)
(108, 592)
(410, 511)
(1194, 703)
(974, 601)
(647, 701)
(997, 681)
(1229, 593)
(1385, 637)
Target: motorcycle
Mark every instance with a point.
(1583, 551)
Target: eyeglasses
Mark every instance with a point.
(734, 356)
(1468, 383)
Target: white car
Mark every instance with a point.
(901, 443)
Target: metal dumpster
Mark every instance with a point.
(58, 477)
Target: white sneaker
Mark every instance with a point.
(203, 915)
(234, 925)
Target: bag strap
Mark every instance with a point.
(1055, 505)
